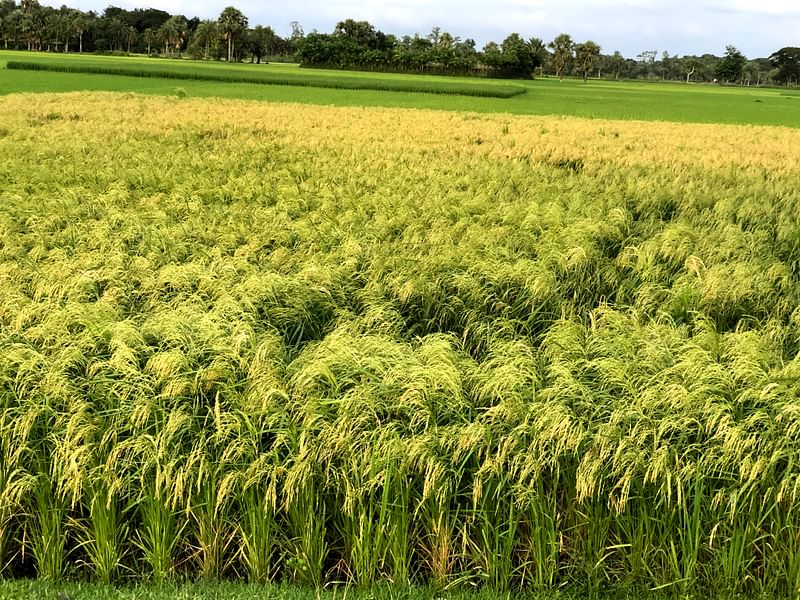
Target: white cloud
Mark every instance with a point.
(774, 8)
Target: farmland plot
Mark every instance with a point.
(316, 344)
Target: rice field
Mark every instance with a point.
(269, 77)
(594, 99)
(322, 345)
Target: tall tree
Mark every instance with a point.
(297, 31)
(81, 23)
(70, 31)
(33, 23)
(129, 36)
(362, 33)
(538, 52)
(434, 35)
(149, 37)
(260, 42)
(146, 18)
(7, 8)
(517, 58)
(730, 68)
(691, 65)
(562, 47)
(232, 23)
(586, 55)
(787, 62)
(14, 27)
(205, 36)
(58, 25)
(114, 30)
(174, 33)
(648, 62)
(616, 62)
(492, 56)
(167, 34)
(750, 72)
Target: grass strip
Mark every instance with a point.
(43, 590)
(347, 83)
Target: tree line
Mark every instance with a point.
(31, 26)
(360, 45)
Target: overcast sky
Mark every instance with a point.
(757, 28)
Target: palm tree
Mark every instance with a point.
(538, 52)
(60, 25)
(32, 23)
(129, 35)
(204, 36)
(7, 8)
(149, 37)
(13, 27)
(586, 55)
(173, 33)
(54, 26)
(69, 27)
(115, 29)
(616, 61)
(80, 25)
(261, 40)
(231, 23)
(5, 22)
(168, 32)
(562, 48)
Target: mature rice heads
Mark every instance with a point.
(318, 345)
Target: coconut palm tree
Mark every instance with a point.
(129, 35)
(231, 23)
(538, 52)
(586, 55)
(173, 33)
(206, 35)
(562, 47)
(81, 23)
(149, 37)
(7, 8)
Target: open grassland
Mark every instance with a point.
(596, 99)
(314, 344)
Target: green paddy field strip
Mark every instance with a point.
(276, 78)
(595, 99)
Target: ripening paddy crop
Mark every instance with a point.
(318, 344)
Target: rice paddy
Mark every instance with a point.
(597, 99)
(317, 345)
(271, 77)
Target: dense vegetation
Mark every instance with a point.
(42, 590)
(360, 45)
(273, 78)
(313, 344)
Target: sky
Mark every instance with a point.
(757, 28)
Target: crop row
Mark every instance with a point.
(276, 78)
(257, 341)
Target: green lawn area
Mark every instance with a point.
(548, 96)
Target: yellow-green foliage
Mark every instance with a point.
(321, 344)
